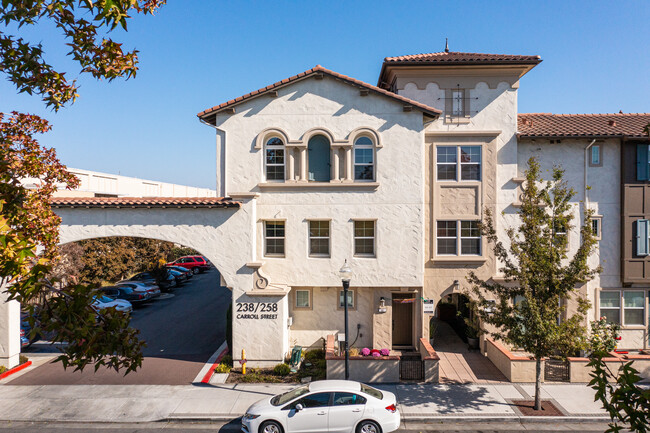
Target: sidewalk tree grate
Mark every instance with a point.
(411, 368)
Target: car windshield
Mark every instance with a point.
(371, 391)
(281, 399)
(105, 299)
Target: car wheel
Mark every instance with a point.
(270, 427)
(368, 427)
(195, 271)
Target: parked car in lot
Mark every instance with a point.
(126, 293)
(149, 278)
(188, 273)
(26, 339)
(179, 276)
(103, 302)
(325, 406)
(140, 287)
(194, 263)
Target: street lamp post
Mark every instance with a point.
(346, 273)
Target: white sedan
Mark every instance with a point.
(325, 406)
(102, 302)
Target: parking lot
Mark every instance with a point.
(182, 330)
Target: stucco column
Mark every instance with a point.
(335, 164)
(303, 164)
(290, 164)
(348, 164)
(9, 331)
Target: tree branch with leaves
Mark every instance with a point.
(539, 277)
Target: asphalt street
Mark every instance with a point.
(181, 330)
(165, 427)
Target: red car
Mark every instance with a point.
(194, 263)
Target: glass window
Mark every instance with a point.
(302, 298)
(470, 162)
(364, 238)
(281, 399)
(595, 227)
(319, 238)
(595, 154)
(274, 238)
(610, 306)
(347, 398)
(274, 159)
(371, 391)
(321, 399)
(457, 102)
(446, 162)
(633, 307)
(350, 298)
(470, 238)
(446, 236)
(364, 159)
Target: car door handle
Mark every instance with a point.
(356, 410)
(321, 413)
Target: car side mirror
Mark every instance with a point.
(299, 407)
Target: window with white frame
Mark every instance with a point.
(596, 157)
(450, 240)
(364, 238)
(274, 238)
(274, 153)
(350, 298)
(596, 227)
(625, 307)
(303, 298)
(364, 159)
(642, 237)
(319, 238)
(458, 102)
(454, 163)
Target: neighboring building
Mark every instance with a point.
(98, 184)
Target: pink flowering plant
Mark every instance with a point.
(384, 352)
(376, 354)
(365, 351)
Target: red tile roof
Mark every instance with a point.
(144, 202)
(582, 125)
(308, 73)
(455, 58)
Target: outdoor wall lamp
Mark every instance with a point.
(456, 285)
(382, 305)
(346, 276)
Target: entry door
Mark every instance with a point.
(319, 159)
(403, 320)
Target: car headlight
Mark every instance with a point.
(248, 416)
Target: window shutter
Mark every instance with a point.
(642, 162)
(448, 102)
(466, 104)
(642, 237)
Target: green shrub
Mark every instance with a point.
(227, 359)
(281, 370)
(222, 368)
(313, 355)
(321, 364)
(2, 369)
(22, 359)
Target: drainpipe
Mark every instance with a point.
(221, 134)
(586, 196)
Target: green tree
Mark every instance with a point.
(27, 223)
(627, 403)
(538, 273)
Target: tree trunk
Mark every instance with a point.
(538, 383)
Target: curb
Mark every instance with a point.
(423, 419)
(210, 372)
(16, 369)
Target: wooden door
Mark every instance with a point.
(403, 319)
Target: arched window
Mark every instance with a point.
(274, 159)
(319, 159)
(364, 159)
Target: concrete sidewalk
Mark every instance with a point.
(146, 403)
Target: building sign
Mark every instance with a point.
(428, 306)
(257, 310)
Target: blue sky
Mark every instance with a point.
(196, 54)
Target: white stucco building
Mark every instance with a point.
(321, 168)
